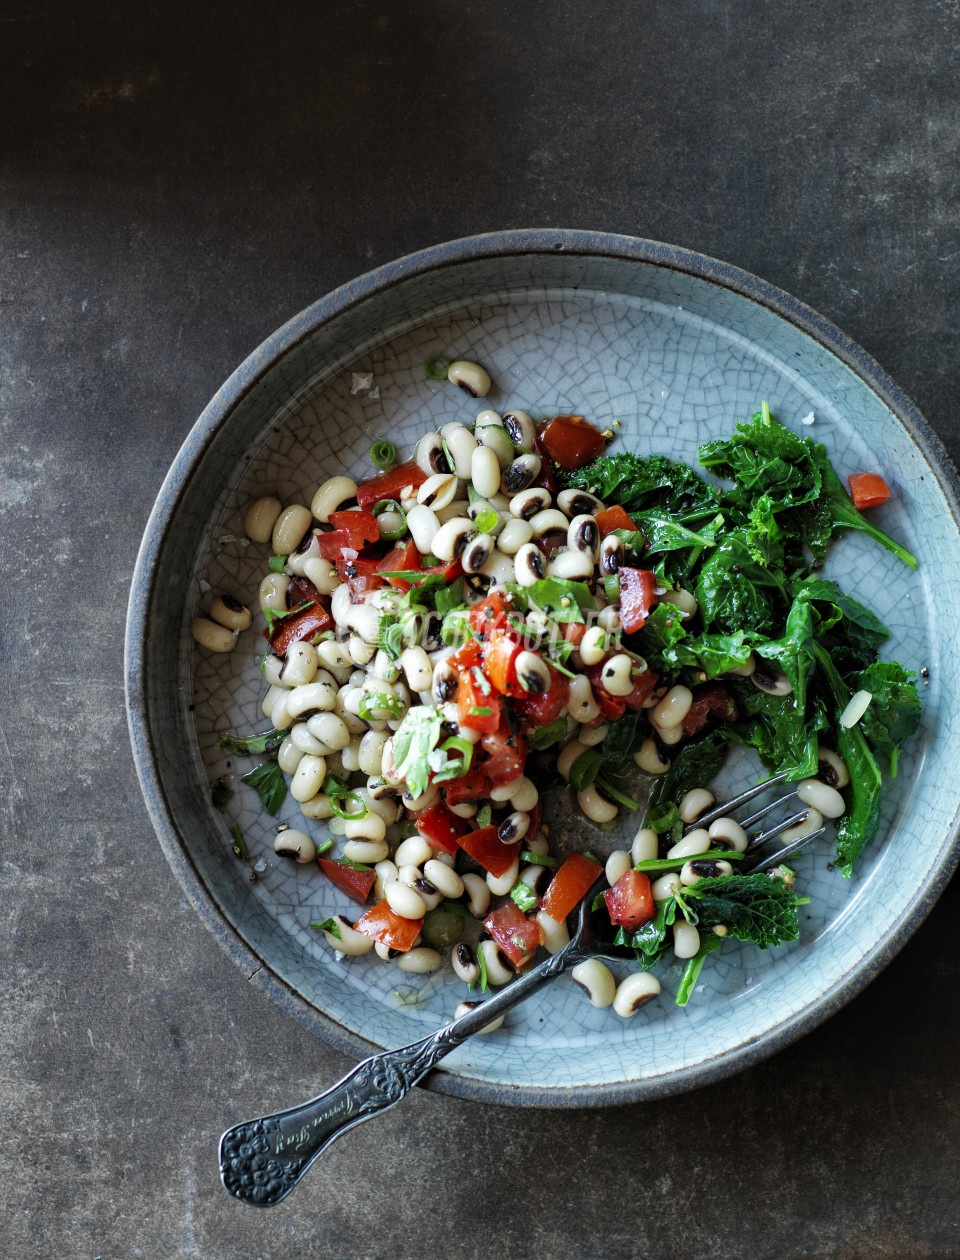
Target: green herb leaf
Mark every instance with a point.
(268, 782)
(329, 925)
(416, 737)
(484, 981)
(239, 846)
(524, 896)
(265, 742)
(277, 564)
(220, 793)
(544, 736)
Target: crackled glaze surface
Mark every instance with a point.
(675, 360)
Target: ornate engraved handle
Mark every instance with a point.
(262, 1160)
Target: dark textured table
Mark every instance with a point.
(176, 181)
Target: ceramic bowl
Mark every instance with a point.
(672, 348)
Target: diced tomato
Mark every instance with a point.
(571, 441)
(867, 490)
(360, 573)
(441, 828)
(298, 627)
(475, 785)
(637, 597)
(500, 664)
(712, 699)
(466, 657)
(361, 526)
(388, 927)
(612, 518)
(336, 545)
(546, 479)
(492, 854)
(574, 876)
(612, 707)
(630, 900)
(478, 709)
(505, 754)
(573, 631)
(450, 571)
(354, 883)
(404, 558)
(389, 485)
(491, 615)
(301, 590)
(515, 934)
(643, 688)
(544, 709)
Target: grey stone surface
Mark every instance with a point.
(175, 181)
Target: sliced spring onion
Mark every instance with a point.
(611, 587)
(436, 369)
(462, 746)
(372, 707)
(538, 859)
(585, 769)
(391, 505)
(325, 847)
(239, 847)
(383, 454)
(277, 564)
(657, 866)
(338, 791)
(621, 798)
(486, 521)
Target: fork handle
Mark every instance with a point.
(262, 1160)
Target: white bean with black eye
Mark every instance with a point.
(697, 841)
(673, 708)
(555, 933)
(650, 759)
(686, 939)
(578, 503)
(611, 555)
(596, 806)
(617, 674)
(296, 845)
(568, 755)
(301, 738)
(290, 527)
(704, 868)
(514, 534)
(520, 429)
(583, 535)
(444, 879)
(423, 526)
(478, 894)
(571, 566)
(331, 730)
(369, 852)
(820, 796)
(430, 456)
(500, 885)
(420, 960)
(308, 777)
(514, 827)
(350, 941)
(300, 666)
(831, 769)
(520, 474)
(523, 794)
(477, 552)
(528, 565)
(806, 827)
(211, 636)
(598, 981)
(646, 846)
(438, 491)
(726, 833)
(617, 865)
(470, 377)
(451, 538)
(666, 886)
(461, 445)
(404, 900)
(289, 755)
(696, 802)
(498, 971)
(229, 612)
(331, 495)
(533, 673)
(527, 504)
(581, 702)
(591, 736)
(260, 518)
(494, 437)
(593, 645)
(635, 992)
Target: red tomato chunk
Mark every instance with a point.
(388, 927)
(630, 900)
(573, 878)
(637, 597)
(389, 485)
(491, 853)
(354, 883)
(867, 490)
(710, 700)
(612, 518)
(571, 441)
(516, 935)
(440, 828)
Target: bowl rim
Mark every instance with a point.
(512, 242)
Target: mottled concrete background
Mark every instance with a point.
(178, 179)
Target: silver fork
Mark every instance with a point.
(262, 1160)
(761, 838)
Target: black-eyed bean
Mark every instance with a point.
(666, 886)
(470, 377)
(593, 645)
(514, 827)
(296, 845)
(404, 900)
(704, 868)
(578, 503)
(609, 619)
(651, 759)
(280, 714)
(494, 437)
(273, 592)
(686, 939)
(308, 777)
(523, 794)
(444, 879)
(591, 736)
(696, 802)
(525, 505)
(330, 730)
(272, 669)
(350, 756)
(423, 801)
(568, 755)
(498, 969)
(831, 769)
(333, 655)
(464, 1008)
(350, 941)
(438, 490)
(646, 846)
(821, 797)
(423, 526)
(529, 565)
(571, 566)
(670, 735)
(682, 600)
(318, 806)
(270, 699)
(316, 697)
(514, 535)
(289, 756)
(229, 612)
(331, 496)
(611, 555)
(464, 962)
(461, 445)
(499, 569)
(362, 650)
(300, 736)
(290, 527)
(420, 960)
(386, 872)
(618, 863)
(617, 674)
(413, 851)
(260, 518)
(673, 708)
(536, 878)
(554, 932)
(766, 678)
(520, 474)
(595, 805)
(584, 535)
(451, 538)
(635, 992)
(500, 885)
(520, 429)
(694, 842)
(477, 893)
(300, 666)
(597, 979)
(211, 636)
(726, 833)
(812, 822)
(368, 852)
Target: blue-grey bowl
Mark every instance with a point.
(676, 347)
